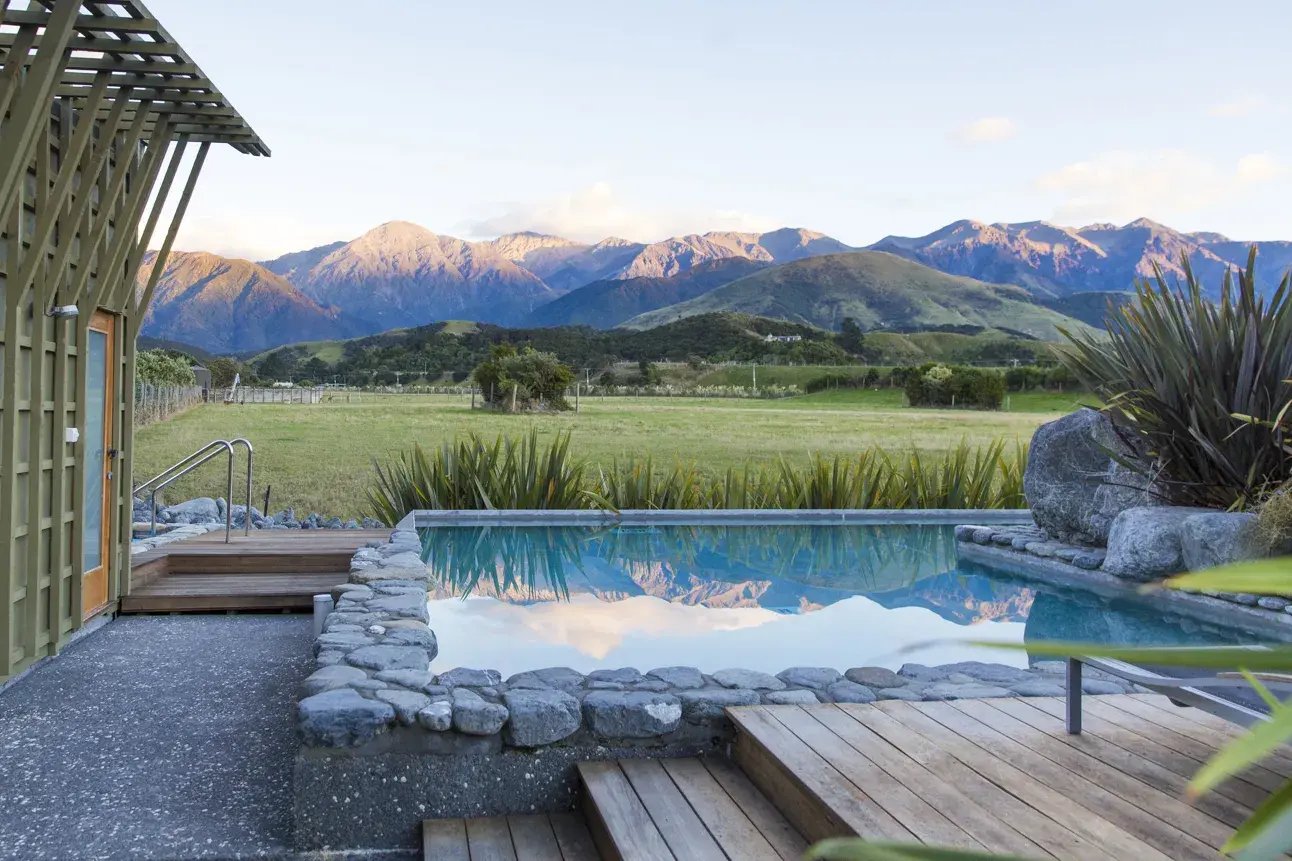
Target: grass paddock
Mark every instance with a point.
(319, 457)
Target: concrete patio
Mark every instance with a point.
(156, 737)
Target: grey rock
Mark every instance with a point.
(437, 717)
(682, 678)
(415, 680)
(468, 678)
(848, 691)
(343, 640)
(1089, 560)
(554, 678)
(1074, 486)
(329, 678)
(401, 560)
(787, 698)
(1101, 686)
(631, 714)
(707, 705)
(875, 677)
(1247, 599)
(1219, 538)
(341, 717)
(965, 532)
(540, 717)
(400, 606)
(1037, 688)
(201, 510)
(623, 676)
(367, 686)
(750, 679)
(809, 677)
(422, 637)
(993, 674)
(982, 535)
(922, 673)
(1146, 543)
(406, 703)
(329, 657)
(389, 658)
(1272, 602)
(907, 694)
(654, 685)
(473, 715)
(947, 691)
(598, 685)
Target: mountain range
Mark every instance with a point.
(1027, 277)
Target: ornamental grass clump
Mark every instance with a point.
(471, 473)
(1199, 382)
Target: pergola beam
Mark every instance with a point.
(159, 262)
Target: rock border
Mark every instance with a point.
(1027, 545)
(373, 690)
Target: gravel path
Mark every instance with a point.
(156, 737)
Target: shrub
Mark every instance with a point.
(162, 368)
(935, 385)
(836, 380)
(1176, 368)
(523, 380)
(473, 474)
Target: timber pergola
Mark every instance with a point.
(104, 119)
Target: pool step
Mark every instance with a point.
(682, 809)
(533, 837)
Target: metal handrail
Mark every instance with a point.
(186, 465)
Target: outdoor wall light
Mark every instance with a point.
(62, 312)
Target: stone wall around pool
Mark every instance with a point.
(386, 742)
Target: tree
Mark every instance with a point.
(524, 380)
(851, 337)
(223, 370)
(163, 368)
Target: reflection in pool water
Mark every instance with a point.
(764, 597)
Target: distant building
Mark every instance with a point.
(201, 376)
(782, 339)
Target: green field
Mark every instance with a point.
(319, 457)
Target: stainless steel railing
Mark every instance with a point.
(193, 461)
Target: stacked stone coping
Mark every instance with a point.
(1031, 540)
(177, 533)
(373, 689)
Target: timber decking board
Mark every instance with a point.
(697, 809)
(532, 837)
(267, 570)
(1002, 774)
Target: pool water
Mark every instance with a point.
(764, 596)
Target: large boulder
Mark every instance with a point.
(1222, 538)
(204, 509)
(1147, 543)
(1074, 484)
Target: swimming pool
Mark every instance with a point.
(757, 595)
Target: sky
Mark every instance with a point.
(650, 119)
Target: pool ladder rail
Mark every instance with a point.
(186, 465)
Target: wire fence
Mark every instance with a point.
(157, 403)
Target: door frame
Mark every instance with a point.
(94, 583)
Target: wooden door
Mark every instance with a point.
(97, 509)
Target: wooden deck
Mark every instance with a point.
(266, 570)
(998, 775)
(537, 837)
(1002, 775)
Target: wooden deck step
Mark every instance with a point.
(682, 810)
(191, 592)
(1000, 776)
(535, 837)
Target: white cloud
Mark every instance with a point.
(595, 212)
(1240, 106)
(986, 130)
(1123, 184)
(1260, 167)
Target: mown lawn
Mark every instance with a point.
(319, 457)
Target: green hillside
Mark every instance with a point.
(878, 290)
